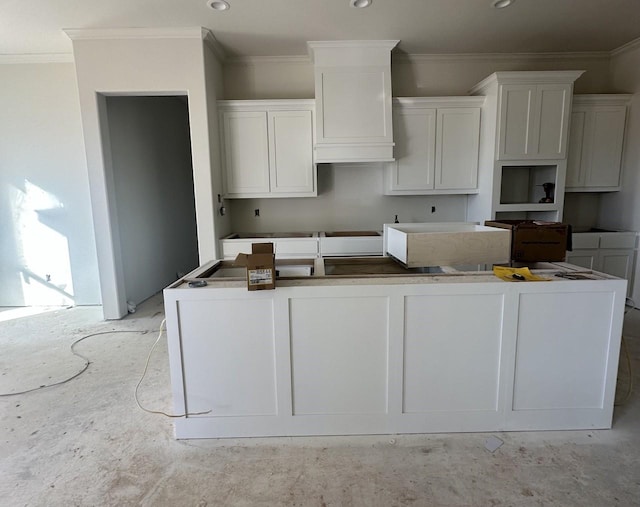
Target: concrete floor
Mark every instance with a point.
(86, 443)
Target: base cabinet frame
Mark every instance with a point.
(394, 358)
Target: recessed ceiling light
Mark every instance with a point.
(360, 4)
(218, 5)
(501, 4)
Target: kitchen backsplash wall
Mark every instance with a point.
(349, 198)
(581, 209)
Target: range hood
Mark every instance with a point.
(353, 100)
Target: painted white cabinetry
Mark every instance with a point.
(595, 143)
(437, 142)
(523, 145)
(365, 356)
(268, 148)
(613, 253)
(284, 248)
(353, 100)
(533, 121)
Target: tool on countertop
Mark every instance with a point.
(517, 274)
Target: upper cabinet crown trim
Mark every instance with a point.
(526, 77)
(196, 32)
(611, 99)
(273, 104)
(439, 102)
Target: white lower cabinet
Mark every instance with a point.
(613, 253)
(268, 148)
(368, 357)
(284, 248)
(436, 149)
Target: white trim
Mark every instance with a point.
(134, 33)
(610, 99)
(212, 43)
(386, 44)
(526, 76)
(271, 104)
(255, 60)
(453, 57)
(37, 58)
(418, 102)
(625, 48)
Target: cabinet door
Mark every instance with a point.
(517, 106)
(291, 152)
(457, 142)
(246, 150)
(616, 262)
(605, 144)
(553, 102)
(577, 154)
(585, 257)
(415, 138)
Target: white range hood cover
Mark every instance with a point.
(353, 100)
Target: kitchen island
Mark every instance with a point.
(406, 352)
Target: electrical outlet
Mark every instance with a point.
(433, 209)
(256, 212)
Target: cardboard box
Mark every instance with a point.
(536, 241)
(261, 266)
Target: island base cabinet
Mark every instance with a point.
(566, 361)
(367, 358)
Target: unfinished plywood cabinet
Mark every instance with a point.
(446, 244)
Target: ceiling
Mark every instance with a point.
(282, 27)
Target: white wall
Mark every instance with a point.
(622, 209)
(45, 210)
(349, 198)
(215, 89)
(140, 62)
(153, 183)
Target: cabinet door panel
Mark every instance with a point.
(290, 151)
(562, 351)
(516, 117)
(457, 138)
(414, 150)
(575, 160)
(587, 258)
(246, 149)
(436, 336)
(616, 262)
(353, 106)
(553, 101)
(606, 149)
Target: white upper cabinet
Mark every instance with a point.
(532, 112)
(353, 100)
(533, 121)
(268, 148)
(596, 141)
(436, 146)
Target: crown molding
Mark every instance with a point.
(525, 76)
(37, 58)
(134, 33)
(254, 60)
(625, 48)
(453, 57)
(609, 99)
(212, 43)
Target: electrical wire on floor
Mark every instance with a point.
(86, 360)
(629, 305)
(146, 367)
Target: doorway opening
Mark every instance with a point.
(152, 196)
